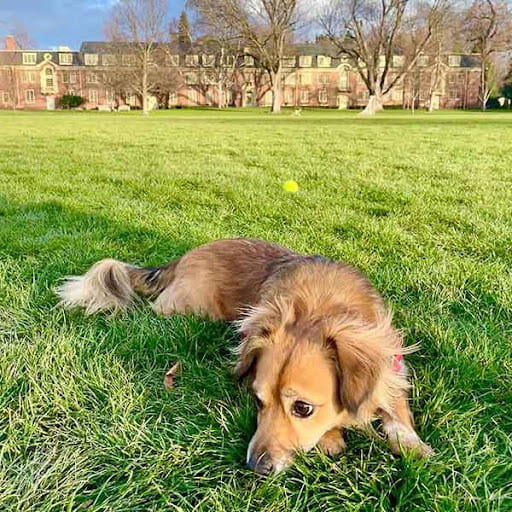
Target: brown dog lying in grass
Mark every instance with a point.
(317, 341)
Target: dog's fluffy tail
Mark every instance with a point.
(111, 285)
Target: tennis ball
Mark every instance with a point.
(290, 186)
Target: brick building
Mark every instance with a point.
(34, 79)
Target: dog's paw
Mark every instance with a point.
(332, 442)
(414, 446)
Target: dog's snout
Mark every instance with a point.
(261, 463)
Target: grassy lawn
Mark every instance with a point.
(422, 204)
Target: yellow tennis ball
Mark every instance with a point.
(290, 186)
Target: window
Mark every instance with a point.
(398, 61)
(91, 78)
(91, 59)
(29, 58)
(71, 92)
(322, 96)
(306, 79)
(93, 96)
(65, 77)
(229, 60)
(48, 72)
(30, 96)
(72, 78)
(248, 60)
(423, 61)
(343, 83)
(192, 97)
(304, 97)
(289, 62)
(6, 97)
(108, 59)
(30, 77)
(191, 79)
(173, 98)
(323, 61)
(65, 59)
(174, 60)
(128, 60)
(454, 60)
(191, 60)
(305, 61)
(288, 97)
(397, 95)
(109, 96)
(209, 61)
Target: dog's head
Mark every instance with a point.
(310, 375)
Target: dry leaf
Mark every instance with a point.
(170, 375)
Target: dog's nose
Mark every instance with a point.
(261, 463)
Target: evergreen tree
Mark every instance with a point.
(184, 34)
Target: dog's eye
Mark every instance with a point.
(302, 409)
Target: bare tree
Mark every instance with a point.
(488, 30)
(141, 25)
(373, 32)
(264, 26)
(221, 47)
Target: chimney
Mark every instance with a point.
(10, 43)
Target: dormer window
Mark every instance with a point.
(398, 61)
(248, 60)
(323, 61)
(289, 62)
(454, 61)
(208, 61)
(65, 59)
(174, 60)
(29, 58)
(191, 60)
(91, 59)
(305, 61)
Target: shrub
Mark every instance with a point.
(71, 101)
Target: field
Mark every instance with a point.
(423, 205)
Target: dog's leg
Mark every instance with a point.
(399, 429)
(332, 442)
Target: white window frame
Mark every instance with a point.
(423, 61)
(289, 61)
(323, 61)
(323, 96)
(65, 59)
(91, 59)
(304, 97)
(305, 61)
(6, 97)
(128, 60)
(208, 61)
(174, 60)
(93, 96)
(30, 98)
(30, 77)
(91, 78)
(454, 61)
(191, 60)
(108, 59)
(398, 61)
(248, 60)
(29, 58)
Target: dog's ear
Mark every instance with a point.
(361, 353)
(247, 353)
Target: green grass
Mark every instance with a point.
(422, 204)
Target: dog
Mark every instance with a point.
(318, 347)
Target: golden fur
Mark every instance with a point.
(317, 339)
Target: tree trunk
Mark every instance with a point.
(220, 95)
(373, 106)
(276, 91)
(145, 109)
(483, 84)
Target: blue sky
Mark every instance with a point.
(51, 23)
